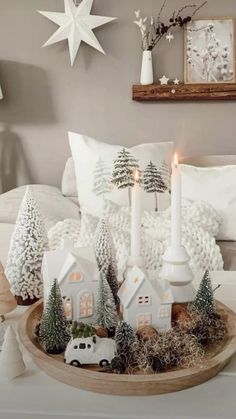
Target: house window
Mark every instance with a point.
(144, 300)
(164, 312)
(144, 320)
(67, 302)
(85, 304)
(75, 277)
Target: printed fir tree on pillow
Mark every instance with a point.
(121, 175)
(28, 242)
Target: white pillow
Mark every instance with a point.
(217, 187)
(87, 152)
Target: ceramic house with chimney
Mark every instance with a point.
(145, 302)
(78, 278)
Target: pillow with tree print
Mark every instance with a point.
(104, 171)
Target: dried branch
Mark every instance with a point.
(152, 33)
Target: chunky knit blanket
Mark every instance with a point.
(200, 226)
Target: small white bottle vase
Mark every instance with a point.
(147, 68)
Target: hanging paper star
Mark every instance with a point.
(76, 25)
(169, 37)
(176, 81)
(164, 80)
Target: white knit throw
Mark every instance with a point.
(200, 226)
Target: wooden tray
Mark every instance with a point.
(126, 385)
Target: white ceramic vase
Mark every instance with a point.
(147, 68)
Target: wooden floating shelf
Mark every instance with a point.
(181, 92)
(141, 384)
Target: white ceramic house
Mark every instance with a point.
(145, 302)
(78, 277)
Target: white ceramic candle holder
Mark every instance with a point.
(177, 272)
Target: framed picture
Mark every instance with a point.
(209, 51)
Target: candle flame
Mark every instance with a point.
(176, 160)
(136, 176)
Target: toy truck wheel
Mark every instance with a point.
(104, 363)
(75, 363)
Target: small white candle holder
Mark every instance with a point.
(177, 272)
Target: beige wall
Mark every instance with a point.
(45, 97)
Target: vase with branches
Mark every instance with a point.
(154, 29)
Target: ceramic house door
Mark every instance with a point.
(85, 304)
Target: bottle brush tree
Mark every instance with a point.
(105, 255)
(7, 299)
(204, 300)
(28, 242)
(82, 330)
(153, 182)
(124, 337)
(54, 332)
(106, 314)
(123, 173)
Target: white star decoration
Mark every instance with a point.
(76, 25)
(164, 80)
(176, 81)
(169, 37)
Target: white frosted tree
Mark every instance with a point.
(165, 174)
(28, 242)
(106, 314)
(152, 182)
(11, 361)
(7, 300)
(105, 255)
(102, 178)
(124, 171)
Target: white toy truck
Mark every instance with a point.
(91, 350)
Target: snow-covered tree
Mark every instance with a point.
(204, 300)
(11, 360)
(124, 337)
(152, 182)
(7, 300)
(123, 174)
(28, 242)
(53, 332)
(165, 174)
(105, 255)
(106, 314)
(102, 178)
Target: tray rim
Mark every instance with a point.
(49, 364)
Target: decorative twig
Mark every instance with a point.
(201, 5)
(160, 12)
(153, 32)
(216, 288)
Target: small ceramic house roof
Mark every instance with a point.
(56, 263)
(132, 284)
(74, 260)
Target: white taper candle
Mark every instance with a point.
(136, 219)
(175, 203)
